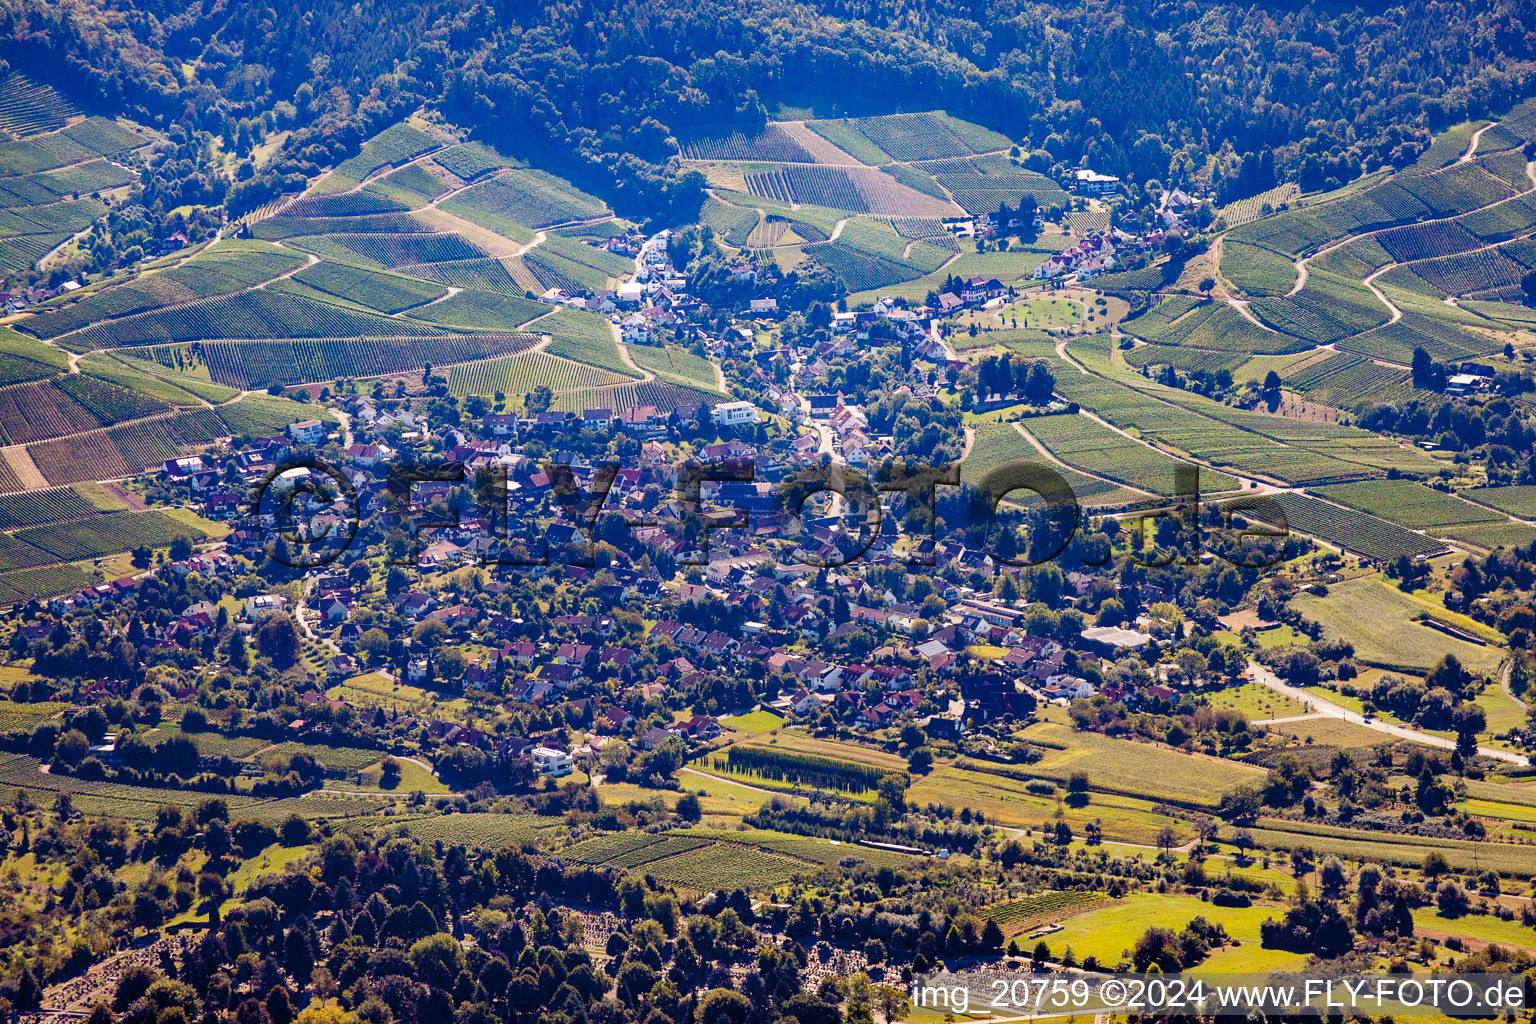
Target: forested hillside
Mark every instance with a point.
(599, 92)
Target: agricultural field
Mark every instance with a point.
(519, 374)
(1405, 502)
(1094, 448)
(676, 365)
(1255, 702)
(998, 444)
(254, 364)
(1019, 802)
(1383, 625)
(387, 293)
(870, 254)
(1124, 767)
(1367, 535)
(1517, 501)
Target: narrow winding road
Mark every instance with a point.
(1327, 709)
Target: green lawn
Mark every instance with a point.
(1478, 926)
(753, 722)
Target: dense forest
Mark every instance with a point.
(1171, 91)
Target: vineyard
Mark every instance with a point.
(482, 310)
(477, 830)
(658, 394)
(142, 803)
(349, 204)
(630, 849)
(1517, 501)
(979, 184)
(27, 108)
(387, 293)
(868, 254)
(733, 223)
(129, 449)
(799, 769)
(1246, 211)
(253, 314)
(1403, 501)
(594, 347)
(520, 374)
(773, 144)
(37, 508)
(528, 197)
(1345, 380)
(471, 160)
(1079, 441)
(1443, 340)
(1026, 912)
(575, 265)
(1223, 435)
(485, 274)
(218, 271)
(1257, 271)
(857, 189)
(1372, 537)
(726, 864)
(411, 185)
(1425, 241)
(1477, 271)
(398, 250)
(256, 364)
(105, 534)
(279, 228)
(1201, 323)
(676, 365)
(394, 145)
(1190, 360)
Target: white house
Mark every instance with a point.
(259, 606)
(735, 414)
(637, 329)
(308, 431)
(551, 762)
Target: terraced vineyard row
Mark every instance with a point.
(773, 143)
(229, 267)
(131, 448)
(256, 364)
(528, 197)
(1407, 502)
(27, 108)
(519, 374)
(255, 314)
(1367, 535)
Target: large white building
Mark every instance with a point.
(735, 414)
(552, 762)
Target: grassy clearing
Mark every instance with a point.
(1255, 701)
(1110, 933)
